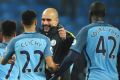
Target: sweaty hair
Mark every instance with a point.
(28, 17)
(8, 28)
(97, 9)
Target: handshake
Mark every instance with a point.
(54, 71)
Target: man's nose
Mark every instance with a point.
(46, 22)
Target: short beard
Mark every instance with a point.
(46, 26)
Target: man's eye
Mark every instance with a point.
(43, 19)
(46, 19)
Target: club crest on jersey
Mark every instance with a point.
(53, 42)
(74, 42)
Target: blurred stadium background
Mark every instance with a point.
(73, 14)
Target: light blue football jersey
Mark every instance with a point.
(8, 71)
(30, 49)
(101, 44)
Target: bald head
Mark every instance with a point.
(50, 12)
(50, 17)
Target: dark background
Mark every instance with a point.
(73, 14)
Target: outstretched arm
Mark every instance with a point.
(51, 64)
(71, 57)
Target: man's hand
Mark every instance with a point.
(12, 60)
(54, 69)
(62, 33)
(51, 64)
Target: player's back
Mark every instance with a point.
(102, 48)
(31, 50)
(8, 71)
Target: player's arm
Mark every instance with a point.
(48, 56)
(7, 59)
(9, 51)
(76, 48)
(50, 63)
(67, 62)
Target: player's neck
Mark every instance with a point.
(30, 29)
(94, 19)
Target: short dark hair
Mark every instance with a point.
(8, 28)
(97, 9)
(28, 17)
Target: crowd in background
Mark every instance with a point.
(73, 14)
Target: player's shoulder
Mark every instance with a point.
(100, 23)
(86, 28)
(17, 37)
(29, 35)
(114, 27)
(83, 31)
(3, 45)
